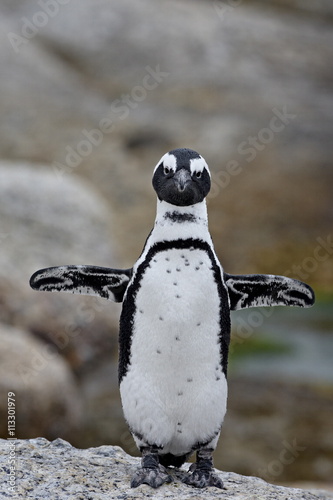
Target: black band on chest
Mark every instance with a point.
(178, 217)
(129, 304)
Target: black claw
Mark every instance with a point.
(216, 481)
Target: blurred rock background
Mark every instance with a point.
(92, 93)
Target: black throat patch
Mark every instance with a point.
(178, 217)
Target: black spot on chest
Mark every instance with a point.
(129, 304)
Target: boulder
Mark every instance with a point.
(105, 472)
(49, 221)
(216, 77)
(46, 395)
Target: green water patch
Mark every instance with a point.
(256, 345)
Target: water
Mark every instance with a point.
(297, 344)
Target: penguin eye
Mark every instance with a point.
(198, 175)
(166, 170)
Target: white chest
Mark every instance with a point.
(177, 313)
(175, 372)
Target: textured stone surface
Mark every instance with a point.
(59, 470)
(46, 393)
(48, 221)
(228, 66)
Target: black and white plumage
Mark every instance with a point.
(104, 282)
(175, 324)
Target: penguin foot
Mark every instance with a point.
(153, 477)
(201, 478)
(151, 473)
(201, 474)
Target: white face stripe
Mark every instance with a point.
(198, 165)
(169, 161)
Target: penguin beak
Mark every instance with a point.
(182, 178)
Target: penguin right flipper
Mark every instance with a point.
(108, 283)
(257, 290)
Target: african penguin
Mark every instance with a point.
(175, 324)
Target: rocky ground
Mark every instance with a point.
(105, 472)
(93, 92)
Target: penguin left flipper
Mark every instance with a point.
(260, 290)
(104, 282)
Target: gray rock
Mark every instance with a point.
(229, 65)
(55, 218)
(46, 394)
(43, 468)
(322, 8)
(42, 96)
(48, 221)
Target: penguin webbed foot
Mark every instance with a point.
(151, 473)
(201, 474)
(201, 478)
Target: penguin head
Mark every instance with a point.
(181, 178)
